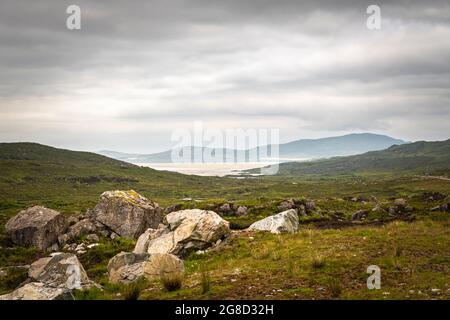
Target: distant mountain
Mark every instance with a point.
(346, 145)
(420, 157)
(350, 144)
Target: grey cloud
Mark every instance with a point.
(309, 67)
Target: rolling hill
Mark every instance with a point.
(418, 157)
(31, 171)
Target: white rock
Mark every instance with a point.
(38, 291)
(187, 231)
(284, 222)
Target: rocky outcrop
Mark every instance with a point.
(127, 213)
(186, 231)
(36, 227)
(284, 222)
(127, 267)
(38, 291)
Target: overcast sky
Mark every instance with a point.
(137, 70)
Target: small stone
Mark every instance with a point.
(435, 290)
(400, 202)
(93, 238)
(242, 211)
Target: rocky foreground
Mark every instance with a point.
(163, 238)
(162, 241)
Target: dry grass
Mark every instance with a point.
(335, 287)
(172, 282)
(205, 280)
(317, 262)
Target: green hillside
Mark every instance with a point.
(314, 263)
(418, 157)
(38, 152)
(71, 180)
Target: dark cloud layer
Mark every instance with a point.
(139, 69)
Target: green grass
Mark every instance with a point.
(236, 273)
(318, 262)
(419, 157)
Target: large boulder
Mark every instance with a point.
(62, 270)
(128, 267)
(187, 231)
(36, 227)
(284, 222)
(163, 265)
(127, 213)
(38, 291)
(52, 278)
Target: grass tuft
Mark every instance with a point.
(317, 262)
(206, 280)
(172, 282)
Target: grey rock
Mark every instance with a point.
(225, 208)
(81, 228)
(286, 205)
(38, 291)
(36, 227)
(284, 222)
(187, 231)
(127, 213)
(242, 211)
(62, 270)
(126, 267)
